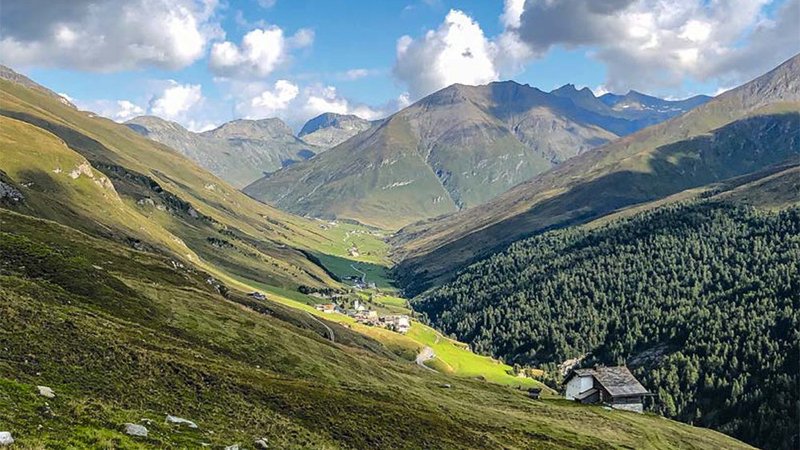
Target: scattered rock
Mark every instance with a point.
(180, 421)
(445, 385)
(145, 202)
(83, 169)
(57, 170)
(10, 192)
(261, 443)
(134, 429)
(5, 438)
(193, 213)
(45, 391)
(232, 447)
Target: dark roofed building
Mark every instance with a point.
(615, 386)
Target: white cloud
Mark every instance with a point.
(456, 52)
(266, 4)
(126, 111)
(355, 74)
(512, 12)
(651, 44)
(260, 53)
(107, 35)
(295, 104)
(176, 101)
(270, 102)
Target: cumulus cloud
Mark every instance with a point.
(106, 35)
(261, 52)
(126, 110)
(176, 100)
(273, 101)
(652, 43)
(296, 104)
(456, 52)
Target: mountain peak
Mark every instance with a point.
(329, 119)
(251, 129)
(331, 129)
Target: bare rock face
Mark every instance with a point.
(10, 193)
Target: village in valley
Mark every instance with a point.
(399, 323)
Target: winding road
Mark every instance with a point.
(330, 331)
(363, 274)
(426, 354)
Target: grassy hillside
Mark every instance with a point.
(701, 298)
(124, 336)
(741, 131)
(102, 178)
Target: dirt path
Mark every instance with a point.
(330, 331)
(425, 354)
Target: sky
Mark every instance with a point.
(204, 62)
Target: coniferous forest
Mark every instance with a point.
(701, 300)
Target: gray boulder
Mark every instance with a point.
(261, 443)
(5, 438)
(180, 421)
(134, 429)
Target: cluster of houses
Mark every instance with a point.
(399, 323)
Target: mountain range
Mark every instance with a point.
(330, 129)
(455, 149)
(127, 279)
(741, 131)
(241, 151)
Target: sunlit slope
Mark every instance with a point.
(159, 197)
(123, 335)
(742, 131)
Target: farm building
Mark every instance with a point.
(328, 308)
(615, 386)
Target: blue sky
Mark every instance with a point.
(187, 60)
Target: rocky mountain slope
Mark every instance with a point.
(239, 152)
(741, 131)
(330, 129)
(454, 149)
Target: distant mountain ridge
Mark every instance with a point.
(741, 131)
(454, 149)
(330, 129)
(239, 151)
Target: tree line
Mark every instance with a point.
(700, 299)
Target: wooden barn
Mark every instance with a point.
(615, 386)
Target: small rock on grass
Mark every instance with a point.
(261, 443)
(45, 391)
(232, 447)
(180, 421)
(5, 438)
(134, 429)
